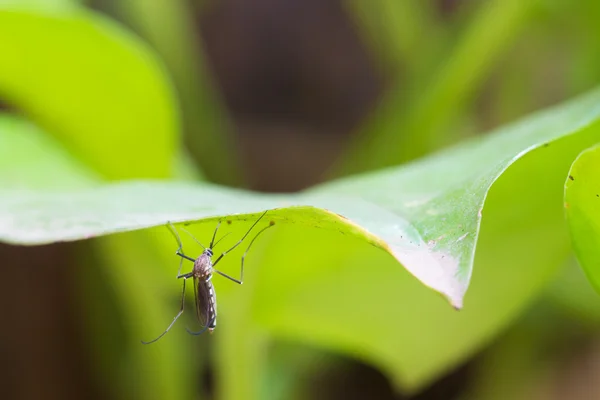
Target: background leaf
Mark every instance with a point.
(582, 205)
(92, 85)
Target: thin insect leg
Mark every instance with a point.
(176, 235)
(196, 300)
(186, 276)
(241, 240)
(179, 251)
(174, 319)
(186, 257)
(201, 331)
(224, 236)
(192, 236)
(214, 235)
(243, 258)
(180, 265)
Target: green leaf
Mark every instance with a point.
(337, 281)
(30, 158)
(92, 85)
(582, 204)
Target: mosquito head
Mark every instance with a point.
(208, 252)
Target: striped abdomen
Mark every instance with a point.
(212, 305)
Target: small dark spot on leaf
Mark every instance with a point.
(597, 195)
(571, 177)
(228, 222)
(187, 224)
(546, 144)
(271, 223)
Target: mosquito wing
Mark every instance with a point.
(203, 292)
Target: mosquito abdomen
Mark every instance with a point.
(212, 305)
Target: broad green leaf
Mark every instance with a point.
(360, 302)
(582, 204)
(93, 86)
(338, 282)
(30, 158)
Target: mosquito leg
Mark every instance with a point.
(222, 237)
(174, 319)
(184, 256)
(230, 277)
(241, 240)
(176, 235)
(201, 331)
(212, 242)
(241, 280)
(193, 237)
(186, 276)
(179, 251)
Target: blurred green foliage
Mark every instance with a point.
(582, 204)
(104, 109)
(95, 106)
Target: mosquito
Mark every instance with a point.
(204, 291)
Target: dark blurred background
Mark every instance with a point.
(300, 79)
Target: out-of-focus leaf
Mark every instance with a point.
(582, 204)
(91, 84)
(29, 158)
